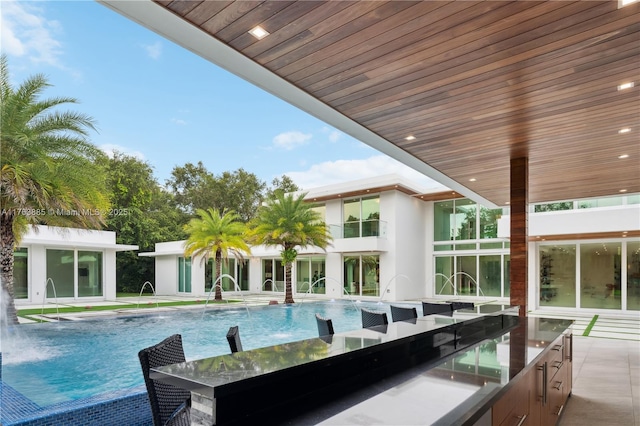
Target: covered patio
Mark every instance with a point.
(506, 103)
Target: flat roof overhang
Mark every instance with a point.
(476, 83)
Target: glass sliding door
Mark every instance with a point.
(89, 274)
(371, 276)
(633, 275)
(558, 275)
(303, 275)
(20, 273)
(243, 275)
(267, 275)
(362, 275)
(279, 275)
(600, 272)
(60, 273)
(352, 275)
(184, 275)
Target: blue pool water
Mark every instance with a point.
(56, 362)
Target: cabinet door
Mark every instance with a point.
(513, 408)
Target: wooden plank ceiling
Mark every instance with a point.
(475, 83)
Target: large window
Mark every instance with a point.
(458, 220)
(490, 276)
(362, 275)
(60, 273)
(600, 282)
(470, 260)
(466, 278)
(465, 220)
(184, 274)
(444, 275)
(472, 275)
(20, 271)
(361, 217)
(310, 275)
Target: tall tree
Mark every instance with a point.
(140, 207)
(239, 191)
(49, 173)
(283, 185)
(216, 234)
(192, 186)
(288, 221)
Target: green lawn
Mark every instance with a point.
(25, 313)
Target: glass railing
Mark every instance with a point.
(588, 203)
(357, 229)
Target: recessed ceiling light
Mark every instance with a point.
(623, 190)
(258, 32)
(508, 202)
(472, 180)
(627, 85)
(623, 156)
(410, 138)
(625, 130)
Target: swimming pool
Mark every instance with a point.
(55, 362)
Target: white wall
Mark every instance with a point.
(166, 275)
(580, 221)
(402, 266)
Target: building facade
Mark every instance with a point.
(393, 241)
(66, 264)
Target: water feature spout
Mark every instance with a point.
(268, 280)
(449, 280)
(154, 294)
(389, 283)
(236, 287)
(55, 298)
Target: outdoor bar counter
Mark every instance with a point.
(465, 370)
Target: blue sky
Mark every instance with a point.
(162, 103)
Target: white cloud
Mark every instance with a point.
(154, 51)
(110, 149)
(331, 172)
(178, 121)
(291, 140)
(27, 33)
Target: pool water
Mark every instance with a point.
(56, 362)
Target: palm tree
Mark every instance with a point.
(48, 173)
(289, 222)
(219, 235)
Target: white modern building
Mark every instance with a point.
(393, 241)
(66, 264)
